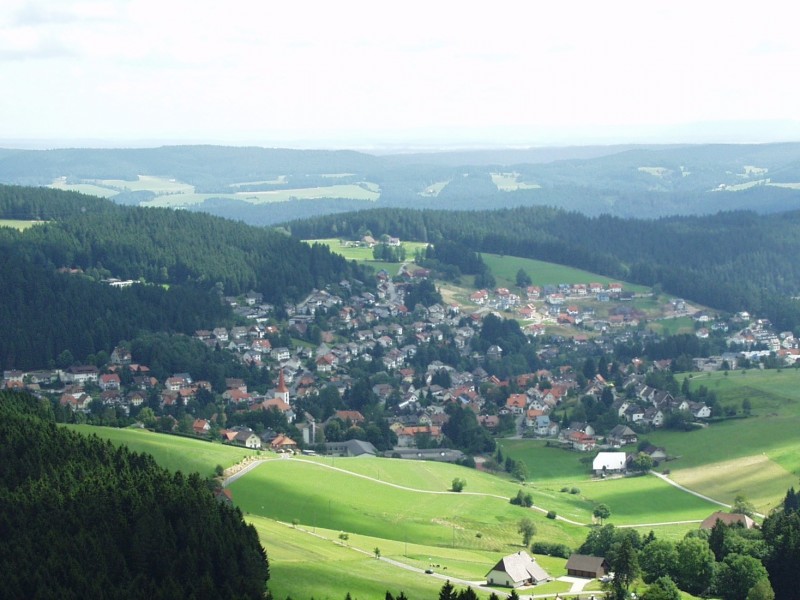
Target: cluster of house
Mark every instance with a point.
(370, 326)
(521, 570)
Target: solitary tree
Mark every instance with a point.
(602, 512)
(377, 552)
(527, 529)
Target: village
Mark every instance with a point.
(379, 332)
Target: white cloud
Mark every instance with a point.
(213, 70)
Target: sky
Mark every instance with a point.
(437, 73)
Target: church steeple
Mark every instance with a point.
(282, 391)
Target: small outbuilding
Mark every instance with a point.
(516, 570)
(586, 566)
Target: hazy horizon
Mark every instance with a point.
(464, 140)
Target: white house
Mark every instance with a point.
(515, 570)
(609, 462)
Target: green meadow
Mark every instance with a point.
(505, 268)
(171, 452)
(19, 225)
(343, 501)
(170, 193)
(364, 255)
(315, 563)
(632, 500)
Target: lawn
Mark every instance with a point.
(364, 255)
(170, 451)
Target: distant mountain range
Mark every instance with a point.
(267, 186)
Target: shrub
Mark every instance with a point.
(551, 514)
(575, 490)
(565, 489)
(551, 549)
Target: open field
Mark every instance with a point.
(353, 191)
(170, 451)
(176, 194)
(433, 190)
(673, 326)
(465, 532)
(342, 501)
(364, 255)
(632, 500)
(19, 225)
(314, 563)
(509, 182)
(505, 268)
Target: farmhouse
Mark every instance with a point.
(589, 567)
(622, 435)
(609, 462)
(515, 570)
(728, 519)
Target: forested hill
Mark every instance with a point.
(83, 519)
(163, 246)
(730, 261)
(186, 261)
(265, 186)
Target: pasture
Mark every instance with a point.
(170, 451)
(362, 254)
(632, 500)
(170, 193)
(315, 563)
(18, 225)
(505, 268)
(509, 182)
(343, 501)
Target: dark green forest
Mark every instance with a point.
(81, 518)
(185, 261)
(730, 261)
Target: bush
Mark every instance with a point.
(551, 514)
(575, 490)
(565, 489)
(551, 549)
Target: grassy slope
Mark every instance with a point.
(314, 563)
(343, 502)
(505, 268)
(172, 452)
(756, 456)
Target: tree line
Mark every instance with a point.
(731, 260)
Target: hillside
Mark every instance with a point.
(730, 261)
(92, 520)
(271, 185)
(175, 268)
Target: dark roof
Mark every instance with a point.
(728, 519)
(585, 562)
